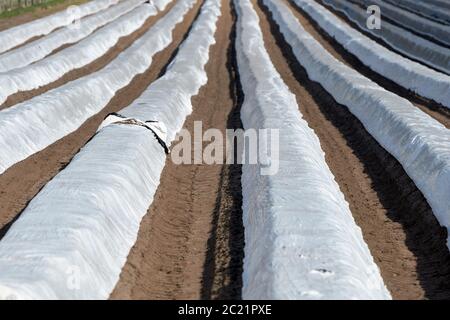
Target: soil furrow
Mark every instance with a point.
(92, 67)
(432, 108)
(403, 235)
(190, 244)
(20, 183)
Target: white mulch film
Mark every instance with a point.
(412, 21)
(15, 36)
(420, 143)
(39, 49)
(29, 127)
(442, 4)
(73, 239)
(407, 73)
(301, 241)
(426, 8)
(398, 38)
(81, 54)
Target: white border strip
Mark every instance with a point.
(409, 74)
(15, 36)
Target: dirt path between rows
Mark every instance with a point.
(92, 67)
(20, 183)
(403, 235)
(432, 108)
(190, 244)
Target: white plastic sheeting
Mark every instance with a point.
(40, 48)
(31, 126)
(443, 4)
(161, 4)
(15, 36)
(412, 21)
(400, 39)
(420, 143)
(74, 237)
(301, 241)
(424, 8)
(86, 51)
(407, 73)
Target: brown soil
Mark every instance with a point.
(94, 66)
(190, 244)
(403, 235)
(20, 183)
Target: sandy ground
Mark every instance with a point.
(190, 243)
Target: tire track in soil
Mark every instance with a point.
(190, 244)
(21, 182)
(403, 235)
(430, 107)
(96, 65)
